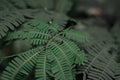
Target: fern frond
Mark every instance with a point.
(28, 35)
(117, 72)
(41, 68)
(77, 36)
(76, 56)
(21, 65)
(59, 49)
(10, 22)
(71, 56)
(60, 67)
(100, 62)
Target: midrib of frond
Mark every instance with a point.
(71, 48)
(109, 62)
(84, 78)
(64, 54)
(117, 72)
(44, 69)
(61, 69)
(13, 76)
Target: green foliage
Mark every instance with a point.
(21, 65)
(102, 55)
(10, 21)
(40, 41)
(58, 51)
(100, 62)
